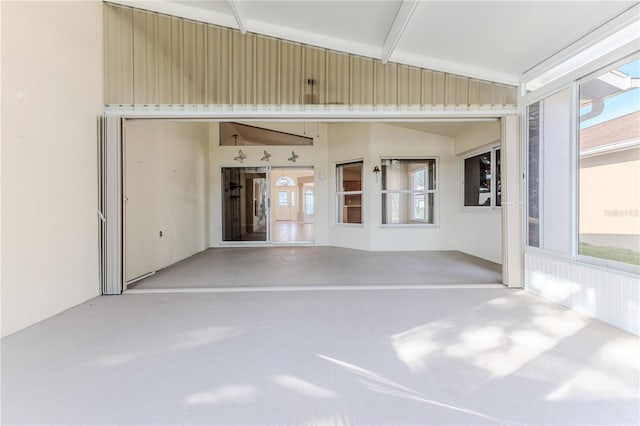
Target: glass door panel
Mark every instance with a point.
(245, 215)
(292, 219)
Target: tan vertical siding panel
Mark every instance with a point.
(238, 68)
(165, 59)
(438, 88)
(249, 69)
(111, 42)
(189, 73)
(145, 57)
(474, 92)
(291, 73)
(266, 70)
(218, 65)
(337, 78)
(177, 62)
(379, 78)
(157, 59)
(315, 69)
(427, 87)
(485, 96)
(512, 95)
(201, 64)
(390, 84)
(450, 89)
(500, 94)
(462, 91)
(403, 84)
(139, 56)
(362, 81)
(152, 58)
(120, 56)
(415, 86)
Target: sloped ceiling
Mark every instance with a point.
(492, 40)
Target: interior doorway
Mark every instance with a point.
(244, 204)
(293, 200)
(268, 204)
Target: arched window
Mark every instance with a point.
(285, 181)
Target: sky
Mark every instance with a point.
(619, 105)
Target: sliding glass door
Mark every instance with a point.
(264, 204)
(244, 204)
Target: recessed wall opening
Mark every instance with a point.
(194, 189)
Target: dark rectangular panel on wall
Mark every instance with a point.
(154, 59)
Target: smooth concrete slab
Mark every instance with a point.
(393, 357)
(320, 266)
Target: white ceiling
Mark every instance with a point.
(494, 40)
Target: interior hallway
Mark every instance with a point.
(385, 357)
(321, 266)
(290, 231)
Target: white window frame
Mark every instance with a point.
(338, 215)
(436, 198)
(596, 261)
(608, 61)
(492, 148)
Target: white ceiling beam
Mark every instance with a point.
(238, 13)
(402, 19)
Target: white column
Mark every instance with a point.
(111, 206)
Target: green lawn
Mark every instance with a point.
(611, 253)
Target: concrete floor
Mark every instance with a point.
(321, 266)
(363, 357)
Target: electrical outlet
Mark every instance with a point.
(161, 234)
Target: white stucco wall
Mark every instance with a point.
(165, 190)
(52, 94)
(480, 228)
(350, 142)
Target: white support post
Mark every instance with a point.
(111, 205)
(512, 203)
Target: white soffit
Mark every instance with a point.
(492, 40)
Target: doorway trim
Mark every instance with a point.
(111, 191)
